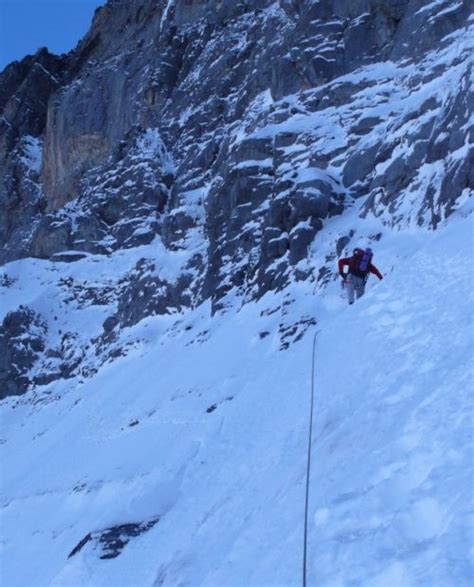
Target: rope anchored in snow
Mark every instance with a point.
(308, 465)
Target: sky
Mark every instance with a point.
(27, 25)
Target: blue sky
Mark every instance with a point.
(27, 25)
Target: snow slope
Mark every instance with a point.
(204, 424)
(393, 472)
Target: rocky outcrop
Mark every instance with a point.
(22, 341)
(145, 293)
(120, 203)
(28, 358)
(109, 543)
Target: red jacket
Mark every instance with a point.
(351, 262)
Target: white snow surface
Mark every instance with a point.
(392, 464)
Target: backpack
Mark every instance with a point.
(362, 260)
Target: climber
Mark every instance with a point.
(359, 267)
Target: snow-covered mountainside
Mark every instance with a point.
(175, 195)
(183, 462)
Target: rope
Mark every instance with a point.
(308, 465)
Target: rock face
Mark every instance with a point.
(22, 340)
(205, 77)
(233, 131)
(144, 293)
(25, 89)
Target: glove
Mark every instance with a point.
(343, 276)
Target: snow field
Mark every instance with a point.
(394, 436)
(204, 423)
